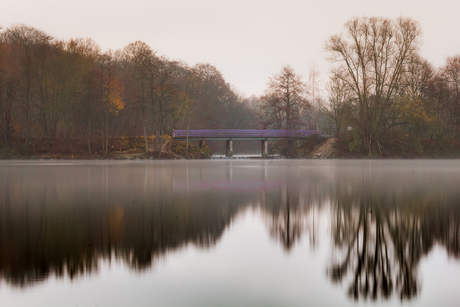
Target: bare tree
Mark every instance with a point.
(451, 75)
(339, 103)
(284, 101)
(371, 61)
(314, 87)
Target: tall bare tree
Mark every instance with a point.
(284, 101)
(314, 93)
(451, 75)
(370, 59)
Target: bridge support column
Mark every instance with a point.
(264, 148)
(229, 148)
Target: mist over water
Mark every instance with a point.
(229, 233)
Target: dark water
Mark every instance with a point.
(230, 233)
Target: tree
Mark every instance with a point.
(112, 95)
(451, 75)
(284, 101)
(315, 99)
(30, 42)
(415, 107)
(164, 96)
(284, 105)
(10, 79)
(212, 96)
(140, 67)
(187, 85)
(73, 83)
(372, 58)
(339, 106)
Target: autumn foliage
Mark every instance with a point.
(381, 99)
(384, 99)
(113, 95)
(72, 95)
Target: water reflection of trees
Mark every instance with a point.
(70, 242)
(290, 214)
(381, 226)
(381, 231)
(65, 228)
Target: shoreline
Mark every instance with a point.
(220, 158)
(330, 149)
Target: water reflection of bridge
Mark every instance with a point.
(230, 135)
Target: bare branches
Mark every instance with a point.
(371, 61)
(284, 101)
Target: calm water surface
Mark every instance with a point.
(230, 233)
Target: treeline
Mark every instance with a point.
(382, 97)
(72, 91)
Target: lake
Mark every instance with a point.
(230, 233)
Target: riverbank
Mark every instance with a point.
(122, 148)
(334, 148)
(133, 148)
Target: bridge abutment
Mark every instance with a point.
(264, 148)
(229, 148)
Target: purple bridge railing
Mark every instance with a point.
(230, 135)
(243, 134)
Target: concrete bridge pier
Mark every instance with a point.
(229, 148)
(264, 148)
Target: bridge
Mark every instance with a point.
(231, 135)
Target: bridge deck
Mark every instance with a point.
(243, 134)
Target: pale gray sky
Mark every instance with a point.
(247, 40)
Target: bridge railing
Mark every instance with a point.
(244, 133)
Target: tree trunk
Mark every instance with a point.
(89, 136)
(146, 141)
(107, 133)
(102, 137)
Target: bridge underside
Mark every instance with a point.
(229, 145)
(242, 135)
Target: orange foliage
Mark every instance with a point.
(113, 96)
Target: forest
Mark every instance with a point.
(381, 98)
(69, 95)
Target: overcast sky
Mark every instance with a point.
(247, 40)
